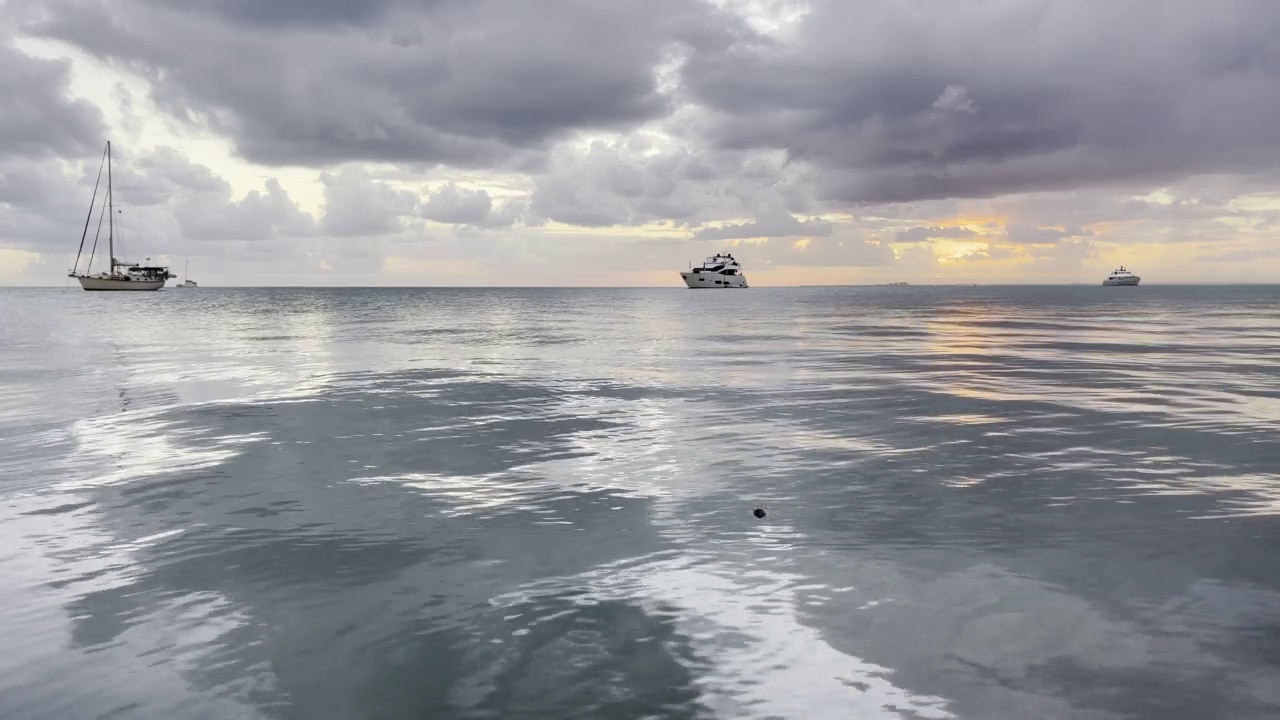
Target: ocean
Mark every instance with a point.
(982, 503)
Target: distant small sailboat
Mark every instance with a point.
(188, 282)
(119, 275)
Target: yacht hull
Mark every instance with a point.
(712, 281)
(1122, 282)
(98, 283)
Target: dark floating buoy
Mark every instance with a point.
(759, 512)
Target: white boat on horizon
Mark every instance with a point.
(187, 281)
(1121, 276)
(120, 275)
(718, 271)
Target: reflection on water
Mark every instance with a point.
(983, 503)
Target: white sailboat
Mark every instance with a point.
(188, 282)
(119, 275)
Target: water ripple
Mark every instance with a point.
(982, 502)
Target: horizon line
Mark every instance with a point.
(665, 287)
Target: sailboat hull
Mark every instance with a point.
(100, 283)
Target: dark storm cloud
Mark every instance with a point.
(256, 217)
(464, 83)
(286, 13)
(31, 185)
(877, 102)
(164, 184)
(456, 205)
(40, 207)
(916, 100)
(163, 199)
(37, 119)
(157, 177)
(619, 184)
(772, 220)
(886, 103)
(633, 182)
(359, 206)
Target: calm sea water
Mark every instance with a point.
(982, 503)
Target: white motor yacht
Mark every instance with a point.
(718, 271)
(1122, 277)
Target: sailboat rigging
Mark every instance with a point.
(188, 282)
(119, 275)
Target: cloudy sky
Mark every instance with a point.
(606, 142)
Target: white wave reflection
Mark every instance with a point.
(519, 489)
(56, 558)
(1254, 493)
(756, 658)
(121, 447)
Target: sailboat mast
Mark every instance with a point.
(111, 210)
(85, 233)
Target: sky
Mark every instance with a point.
(611, 143)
